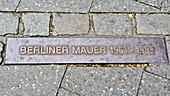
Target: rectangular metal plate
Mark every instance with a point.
(85, 50)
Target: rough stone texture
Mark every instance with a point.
(55, 5)
(99, 81)
(8, 23)
(71, 24)
(30, 80)
(121, 6)
(153, 24)
(63, 92)
(156, 3)
(152, 85)
(1, 49)
(81, 53)
(8, 5)
(165, 6)
(112, 25)
(36, 24)
(161, 70)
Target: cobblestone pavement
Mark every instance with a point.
(84, 18)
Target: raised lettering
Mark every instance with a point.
(23, 50)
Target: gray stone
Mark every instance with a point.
(98, 81)
(112, 25)
(36, 24)
(71, 24)
(8, 5)
(121, 6)
(85, 50)
(165, 6)
(55, 5)
(30, 80)
(1, 49)
(161, 70)
(153, 24)
(156, 3)
(8, 24)
(63, 92)
(152, 85)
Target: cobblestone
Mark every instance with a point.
(8, 24)
(165, 6)
(71, 24)
(1, 49)
(63, 92)
(36, 24)
(153, 24)
(30, 80)
(8, 5)
(102, 81)
(161, 70)
(55, 5)
(121, 6)
(112, 25)
(152, 85)
(156, 3)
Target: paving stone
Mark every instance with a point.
(63, 92)
(156, 3)
(1, 49)
(152, 85)
(36, 24)
(121, 6)
(161, 70)
(112, 25)
(8, 5)
(71, 24)
(100, 81)
(8, 23)
(30, 80)
(55, 5)
(165, 6)
(153, 24)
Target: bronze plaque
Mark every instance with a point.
(85, 50)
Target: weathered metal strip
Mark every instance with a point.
(85, 50)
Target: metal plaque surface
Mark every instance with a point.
(85, 50)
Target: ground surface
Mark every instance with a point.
(84, 18)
